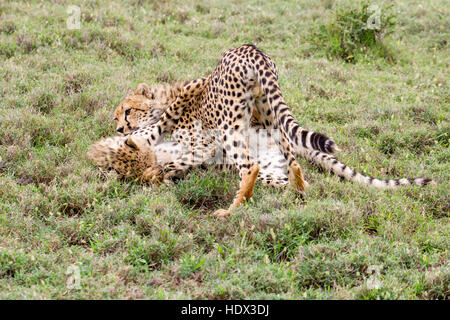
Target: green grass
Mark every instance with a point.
(390, 117)
(356, 32)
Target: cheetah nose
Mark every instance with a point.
(120, 130)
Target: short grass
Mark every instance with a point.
(389, 113)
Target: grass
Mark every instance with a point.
(356, 32)
(59, 87)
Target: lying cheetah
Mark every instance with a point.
(243, 86)
(128, 157)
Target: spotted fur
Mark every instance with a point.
(124, 157)
(272, 163)
(332, 164)
(226, 105)
(244, 86)
(171, 159)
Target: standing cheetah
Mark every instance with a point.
(245, 79)
(241, 90)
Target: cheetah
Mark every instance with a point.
(119, 156)
(131, 158)
(242, 90)
(145, 105)
(245, 79)
(271, 161)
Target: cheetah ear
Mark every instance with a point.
(144, 89)
(130, 142)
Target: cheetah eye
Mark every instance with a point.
(127, 112)
(115, 119)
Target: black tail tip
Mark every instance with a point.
(330, 146)
(322, 143)
(427, 181)
(422, 181)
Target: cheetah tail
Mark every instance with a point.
(332, 164)
(301, 138)
(311, 140)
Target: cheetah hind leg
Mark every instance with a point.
(246, 187)
(263, 114)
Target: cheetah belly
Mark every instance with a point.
(273, 169)
(272, 165)
(167, 152)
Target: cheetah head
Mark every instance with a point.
(139, 108)
(124, 157)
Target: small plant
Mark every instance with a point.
(205, 190)
(356, 31)
(45, 102)
(443, 136)
(66, 232)
(190, 264)
(12, 263)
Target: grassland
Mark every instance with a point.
(388, 112)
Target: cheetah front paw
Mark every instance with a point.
(221, 213)
(153, 175)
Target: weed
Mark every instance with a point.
(356, 31)
(205, 190)
(190, 264)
